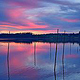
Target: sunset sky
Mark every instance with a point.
(39, 16)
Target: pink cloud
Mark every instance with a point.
(17, 15)
(18, 21)
(24, 3)
(69, 20)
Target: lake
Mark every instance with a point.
(39, 61)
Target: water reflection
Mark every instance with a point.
(8, 62)
(70, 48)
(77, 49)
(63, 56)
(50, 51)
(35, 53)
(63, 59)
(55, 60)
(20, 61)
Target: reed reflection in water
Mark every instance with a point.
(35, 53)
(63, 59)
(8, 63)
(55, 63)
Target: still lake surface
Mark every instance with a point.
(39, 61)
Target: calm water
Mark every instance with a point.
(39, 61)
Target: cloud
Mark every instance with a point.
(70, 20)
(39, 15)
